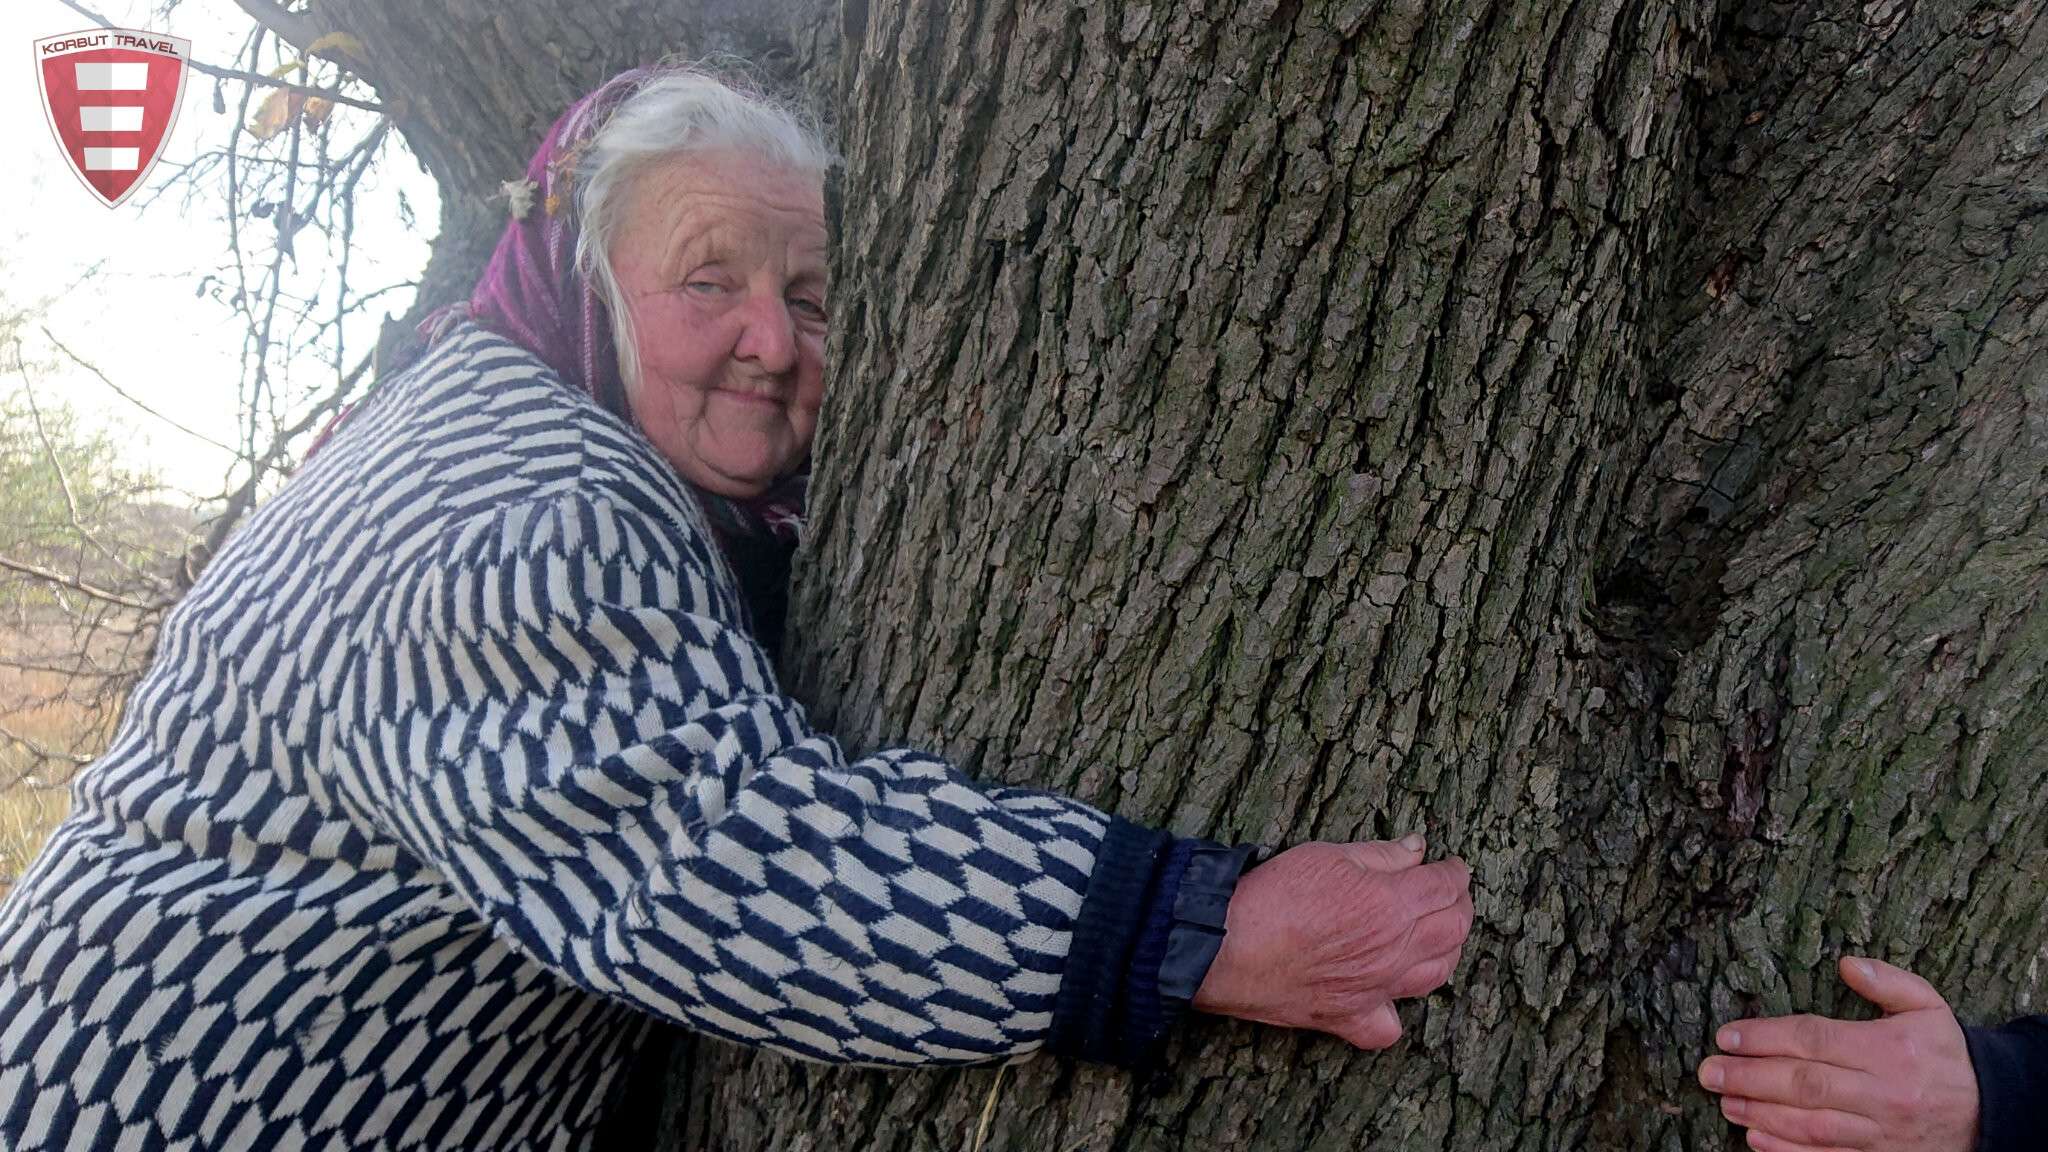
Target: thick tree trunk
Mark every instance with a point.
(1609, 434)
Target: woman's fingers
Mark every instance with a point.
(1441, 933)
(1386, 855)
(1780, 1080)
(1377, 1029)
(1433, 949)
(1432, 887)
(1811, 1084)
(1817, 1127)
(1423, 978)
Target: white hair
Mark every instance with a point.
(682, 111)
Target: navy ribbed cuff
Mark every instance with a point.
(1147, 1015)
(1088, 1015)
(1150, 927)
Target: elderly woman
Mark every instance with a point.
(465, 760)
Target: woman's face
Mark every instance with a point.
(721, 261)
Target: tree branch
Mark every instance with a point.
(294, 28)
(90, 367)
(216, 70)
(244, 498)
(61, 580)
(40, 752)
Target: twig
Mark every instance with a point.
(75, 671)
(327, 94)
(118, 391)
(244, 497)
(35, 413)
(294, 28)
(73, 583)
(234, 214)
(286, 212)
(37, 750)
(364, 300)
(216, 70)
(988, 1108)
(347, 195)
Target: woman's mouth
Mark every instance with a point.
(763, 399)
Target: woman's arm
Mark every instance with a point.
(555, 720)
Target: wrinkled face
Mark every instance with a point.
(721, 260)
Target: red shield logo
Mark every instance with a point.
(112, 95)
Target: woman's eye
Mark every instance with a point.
(704, 287)
(807, 308)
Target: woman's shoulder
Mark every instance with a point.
(482, 415)
(593, 482)
(477, 465)
(479, 439)
(472, 368)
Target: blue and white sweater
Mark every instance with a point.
(460, 763)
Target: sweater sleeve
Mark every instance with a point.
(2012, 1084)
(558, 716)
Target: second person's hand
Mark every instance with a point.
(1900, 1084)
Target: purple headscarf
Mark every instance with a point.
(534, 294)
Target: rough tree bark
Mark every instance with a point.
(1609, 434)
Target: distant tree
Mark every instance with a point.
(68, 501)
(87, 556)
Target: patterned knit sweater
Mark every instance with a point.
(457, 765)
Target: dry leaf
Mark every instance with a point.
(340, 42)
(275, 114)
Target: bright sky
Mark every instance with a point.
(141, 319)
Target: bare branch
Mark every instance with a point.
(35, 412)
(119, 391)
(244, 497)
(41, 751)
(328, 94)
(331, 94)
(62, 581)
(294, 28)
(76, 671)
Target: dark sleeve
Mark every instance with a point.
(2012, 1084)
(1148, 931)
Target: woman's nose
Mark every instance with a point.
(769, 338)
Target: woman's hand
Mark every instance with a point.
(1900, 1084)
(1328, 936)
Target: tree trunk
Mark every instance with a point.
(1607, 434)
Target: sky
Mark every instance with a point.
(123, 284)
